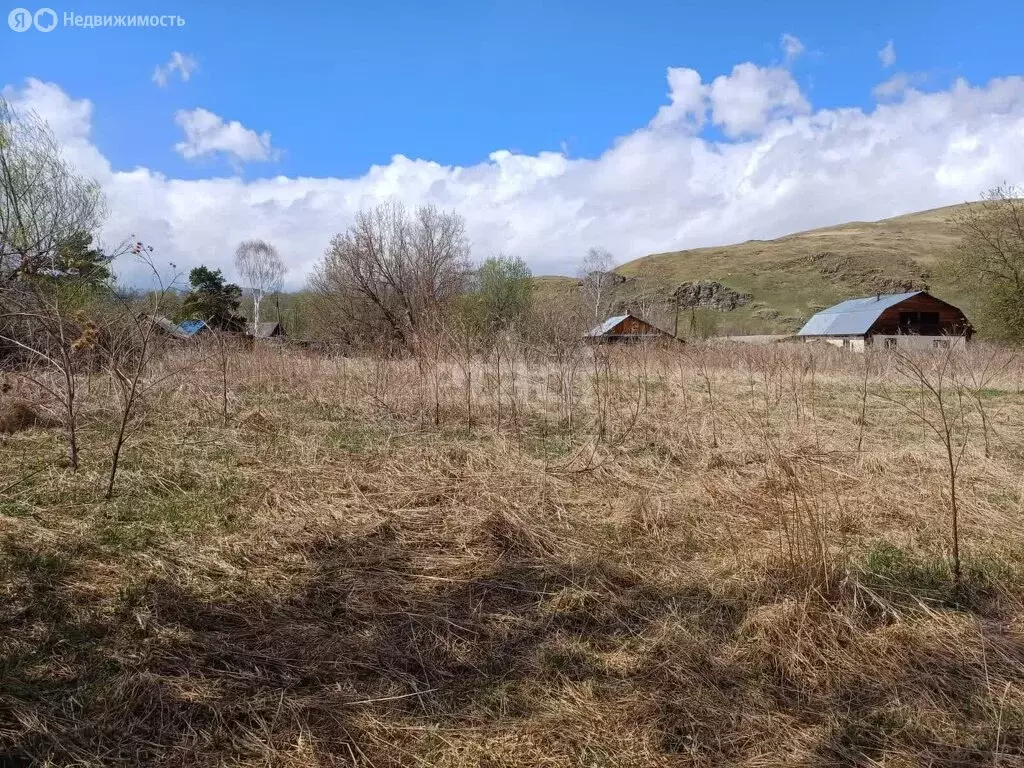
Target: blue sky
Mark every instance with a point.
(341, 86)
(551, 126)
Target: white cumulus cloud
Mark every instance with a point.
(182, 63)
(208, 134)
(687, 97)
(664, 186)
(741, 103)
(745, 101)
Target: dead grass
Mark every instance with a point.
(366, 567)
(17, 416)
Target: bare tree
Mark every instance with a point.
(44, 202)
(391, 271)
(597, 278)
(262, 270)
(942, 409)
(51, 338)
(132, 345)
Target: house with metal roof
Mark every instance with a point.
(193, 328)
(164, 326)
(913, 320)
(624, 329)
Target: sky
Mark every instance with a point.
(552, 127)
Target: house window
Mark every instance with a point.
(929, 318)
(908, 319)
(889, 344)
(846, 343)
(941, 344)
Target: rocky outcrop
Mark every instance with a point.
(710, 294)
(897, 276)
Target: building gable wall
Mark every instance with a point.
(951, 321)
(634, 326)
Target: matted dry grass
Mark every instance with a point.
(685, 561)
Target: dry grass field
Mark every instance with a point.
(696, 556)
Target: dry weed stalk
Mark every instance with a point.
(941, 409)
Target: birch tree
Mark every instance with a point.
(595, 273)
(262, 270)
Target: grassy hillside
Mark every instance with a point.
(793, 276)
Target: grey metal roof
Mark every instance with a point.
(607, 325)
(166, 326)
(853, 317)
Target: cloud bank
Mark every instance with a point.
(744, 156)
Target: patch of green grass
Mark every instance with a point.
(40, 567)
(15, 508)
(901, 574)
(889, 566)
(145, 513)
(548, 447)
(350, 438)
(655, 385)
(987, 393)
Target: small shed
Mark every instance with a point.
(914, 320)
(269, 330)
(625, 329)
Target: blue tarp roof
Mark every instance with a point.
(853, 317)
(607, 325)
(191, 327)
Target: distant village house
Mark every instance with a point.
(625, 329)
(914, 320)
(165, 327)
(194, 328)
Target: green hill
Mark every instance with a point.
(779, 283)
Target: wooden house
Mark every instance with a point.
(914, 320)
(625, 329)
